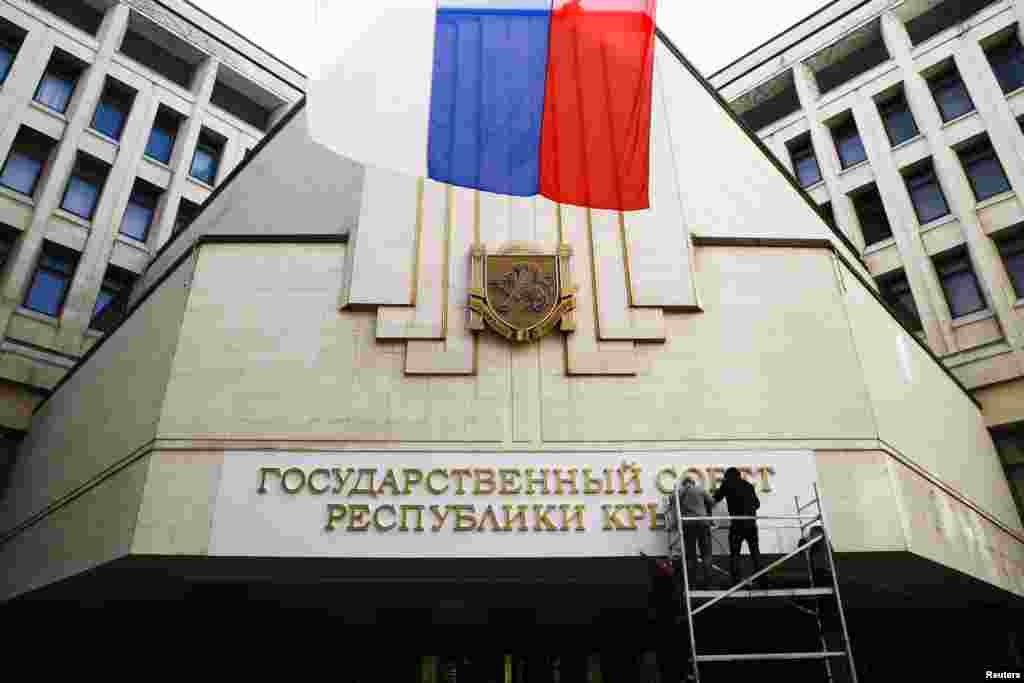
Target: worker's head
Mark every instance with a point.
(689, 483)
(732, 473)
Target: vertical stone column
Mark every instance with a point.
(181, 160)
(51, 189)
(824, 150)
(20, 86)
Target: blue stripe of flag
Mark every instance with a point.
(487, 98)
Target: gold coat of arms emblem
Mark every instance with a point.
(521, 293)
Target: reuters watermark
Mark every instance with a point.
(1002, 675)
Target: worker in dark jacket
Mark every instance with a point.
(696, 502)
(743, 502)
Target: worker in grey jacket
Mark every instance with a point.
(696, 502)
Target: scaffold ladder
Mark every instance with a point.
(696, 602)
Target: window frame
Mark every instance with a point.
(54, 251)
(192, 207)
(117, 282)
(848, 125)
(124, 99)
(26, 149)
(12, 46)
(799, 149)
(943, 263)
(1013, 242)
(886, 108)
(142, 189)
(887, 288)
(164, 115)
(924, 171)
(214, 153)
(1012, 47)
(981, 151)
(62, 67)
(950, 76)
(81, 164)
(857, 198)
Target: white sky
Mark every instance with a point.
(710, 34)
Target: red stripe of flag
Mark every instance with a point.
(595, 141)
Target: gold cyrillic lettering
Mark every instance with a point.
(368, 490)
(542, 480)
(264, 471)
(412, 477)
(376, 518)
(418, 509)
(520, 516)
(612, 521)
(465, 519)
(659, 481)
(570, 479)
(573, 514)
(335, 513)
(483, 482)
(430, 482)
(391, 481)
(340, 481)
(541, 520)
(312, 487)
(439, 519)
(359, 518)
(508, 481)
(634, 478)
(765, 471)
(591, 484)
(657, 518)
(609, 488)
(637, 512)
(460, 475)
(489, 514)
(284, 480)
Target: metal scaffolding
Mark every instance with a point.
(696, 602)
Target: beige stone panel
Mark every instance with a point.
(104, 413)
(883, 260)
(945, 530)
(859, 501)
(425, 319)
(24, 328)
(456, 355)
(901, 377)
(1000, 214)
(16, 405)
(977, 333)
(586, 354)
(176, 512)
(658, 250)
(93, 529)
(616, 319)
(1002, 403)
(265, 347)
(942, 237)
(15, 212)
(769, 358)
(985, 371)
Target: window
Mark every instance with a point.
(1009, 441)
(8, 238)
(895, 291)
(898, 119)
(51, 280)
(1011, 249)
(984, 170)
(11, 38)
(848, 143)
(959, 283)
(805, 164)
(84, 186)
(161, 138)
(950, 94)
(1007, 61)
(828, 214)
(25, 163)
(207, 157)
(187, 212)
(925, 193)
(874, 222)
(111, 303)
(58, 83)
(112, 110)
(138, 215)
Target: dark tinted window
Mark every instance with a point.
(51, 280)
(1007, 60)
(138, 215)
(848, 143)
(950, 95)
(112, 109)
(112, 301)
(898, 119)
(11, 38)
(58, 82)
(1011, 248)
(8, 238)
(206, 159)
(187, 212)
(895, 290)
(85, 186)
(805, 164)
(26, 160)
(162, 136)
(926, 195)
(984, 170)
(959, 283)
(874, 222)
(828, 214)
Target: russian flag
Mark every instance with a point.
(516, 97)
